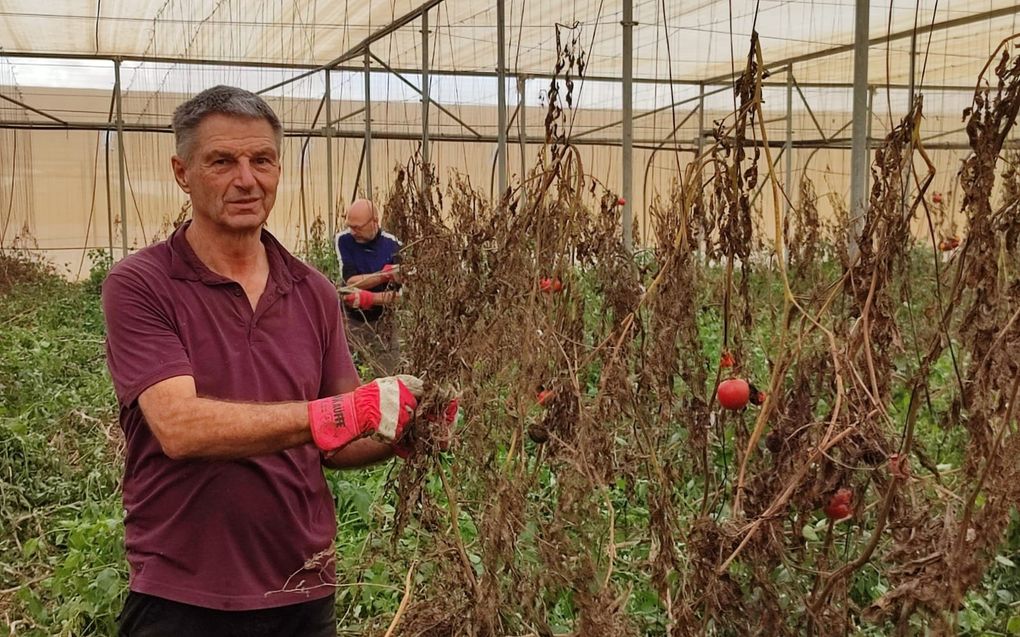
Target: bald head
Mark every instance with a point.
(363, 220)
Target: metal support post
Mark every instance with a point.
(425, 99)
(859, 134)
(628, 123)
(701, 119)
(330, 208)
(702, 246)
(121, 161)
(368, 125)
(522, 133)
(871, 118)
(905, 188)
(788, 149)
(109, 197)
(501, 93)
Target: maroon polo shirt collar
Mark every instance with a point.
(185, 264)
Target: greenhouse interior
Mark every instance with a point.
(607, 211)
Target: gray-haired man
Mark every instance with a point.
(235, 385)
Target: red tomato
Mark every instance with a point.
(726, 360)
(545, 396)
(549, 286)
(620, 201)
(937, 197)
(840, 505)
(734, 393)
(757, 396)
(899, 466)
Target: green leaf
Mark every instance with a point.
(108, 583)
(809, 533)
(362, 501)
(1005, 561)
(1013, 625)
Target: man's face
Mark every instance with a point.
(364, 226)
(232, 171)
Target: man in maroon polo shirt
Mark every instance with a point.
(235, 386)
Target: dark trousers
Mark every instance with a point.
(148, 616)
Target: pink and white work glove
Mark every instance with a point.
(360, 300)
(380, 409)
(390, 271)
(442, 431)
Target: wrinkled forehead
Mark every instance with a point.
(218, 130)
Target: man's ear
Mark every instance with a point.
(180, 173)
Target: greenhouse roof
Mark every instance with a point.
(697, 41)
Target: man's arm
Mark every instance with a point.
(389, 297)
(359, 453)
(190, 427)
(368, 281)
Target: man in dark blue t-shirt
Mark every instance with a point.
(369, 267)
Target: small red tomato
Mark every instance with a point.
(549, 285)
(733, 393)
(544, 396)
(951, 243)
(899, 467)
(937, 197)
(840, 505)
(450, 415)
(620, 201)
(757, 397)
(726, 360)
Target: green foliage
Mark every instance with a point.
(62, 545)
(319, 252)
(61, 550)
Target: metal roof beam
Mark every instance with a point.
(400, 76)
(148, 59)
(842, 143)
(30, 108)
(906, 33)
(362, 47)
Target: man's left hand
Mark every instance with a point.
(360, 300)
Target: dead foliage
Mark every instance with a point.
(537, 506)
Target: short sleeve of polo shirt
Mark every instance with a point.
(339, 373)
(143, 346)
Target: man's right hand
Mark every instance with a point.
(381, 409)
(390, 272)
(441, 431)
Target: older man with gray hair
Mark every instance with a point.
(236, 386)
